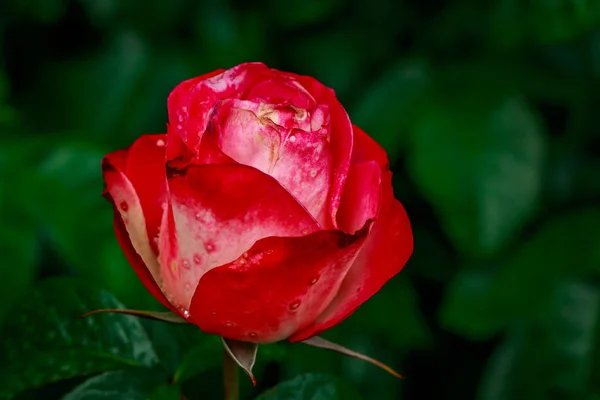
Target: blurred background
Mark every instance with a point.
(489, 113)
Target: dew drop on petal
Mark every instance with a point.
(305, 231)
(185, 264)
(229, 324)
(252, 334)
(292, 138)
(197, 259)
(124, 206)
(294, 305)
(313, 281)
(160, 143)
(313, 173)
(209, 246)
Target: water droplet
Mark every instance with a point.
(180, 118)
(313, 173)
(197, 259)
(214, 313)
(184, 109)
(209, 246)
(313, 281)
(252, 334)
(305, 231)
(229, 324)
(294, 305)
(185, 264)
(292, 138)
(241, 261)
(124, 206)
(186, 313)
(160, 143)
(179, 127)
(188, 286)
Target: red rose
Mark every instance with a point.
(263, 213)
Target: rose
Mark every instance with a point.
(263, 213)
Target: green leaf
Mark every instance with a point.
(311, 387)
(482, 302)
(479, 163)
(138, 384)
(44, 340)
(549, 356)
(387, 109)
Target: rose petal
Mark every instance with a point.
(254, 134)
(388, 247)
(360, 199)
(191, 102)
(145, 169)
(130, 226)
(279, 286)
(218, 212)
(341, 138)
(367, 149)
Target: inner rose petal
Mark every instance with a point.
(289, 143)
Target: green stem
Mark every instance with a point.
(230, 377)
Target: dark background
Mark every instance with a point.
(489, 113)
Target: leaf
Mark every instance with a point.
(164, 316)
(44, 340)
(311, 387)
(387, 109)
(243, 353)
(548, 356)
(482, 302)
(138, 384)
(479, 163)
(319, 342)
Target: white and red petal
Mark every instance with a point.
(264, 137)
(278, 287)
(341, 139)
(130, 224)
(384, 254)
(145, 169)
(219, 212)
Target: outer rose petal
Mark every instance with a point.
(145, 169)
(218, 212)
(360, 200)
(388, 247)
(130, 226)
(137, 263)
(366, 149)
(277, 287)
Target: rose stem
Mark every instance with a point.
(230, 377)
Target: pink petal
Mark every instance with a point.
(218, 212)
(286, 142)
(279, 286)
(130, 225)
(386, 251)
(360, 199)
(341, 138)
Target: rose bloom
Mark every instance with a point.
(262, 214)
